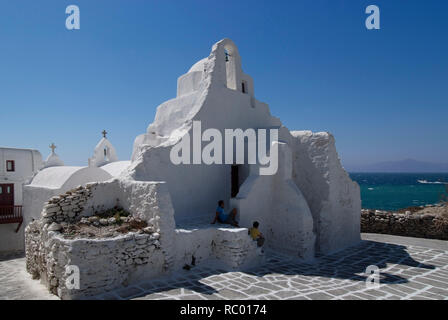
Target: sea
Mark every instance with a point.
(393, 191)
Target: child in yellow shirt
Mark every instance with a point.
(255, 234)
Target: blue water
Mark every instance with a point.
(392, 191)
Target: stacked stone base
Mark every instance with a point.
(74, 268)
(103, 264)
(404, 224)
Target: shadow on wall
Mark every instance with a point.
(347, 265)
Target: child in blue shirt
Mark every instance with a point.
(224, 217)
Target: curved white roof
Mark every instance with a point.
(54, 177)
(116, 168)
(58, 177)
(198, 66)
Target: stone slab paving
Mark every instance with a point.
(410, 268)
(17, 284)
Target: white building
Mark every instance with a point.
(26, 183)
(17, 167)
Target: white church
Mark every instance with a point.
(27, 182)
(309, 207)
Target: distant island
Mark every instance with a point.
(407, 165)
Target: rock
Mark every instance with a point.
(67, 208)
(149, 229)
(46, 221)
(47, 214)
(55, 227)
(85, 220)
(93, 218)
(104, 222)
(53, 282)
(155, 236)
(52, 208)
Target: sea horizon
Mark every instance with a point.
(398, 190)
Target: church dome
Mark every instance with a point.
(198, 66)
(53, 160)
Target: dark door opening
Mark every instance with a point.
(235, 179)
(6, 194)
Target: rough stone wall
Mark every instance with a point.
(404, 224)
(104, 264)
(68, 206)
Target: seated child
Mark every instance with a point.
(255, 234)
(223, 217)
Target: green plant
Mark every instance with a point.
(113, 212)
(118, 219)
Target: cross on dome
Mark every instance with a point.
(104, 133)
(52, 147)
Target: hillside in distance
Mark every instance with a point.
(407, 165)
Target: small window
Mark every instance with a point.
(243, 87)
(1, 190)
(8, 189)
(10, 166)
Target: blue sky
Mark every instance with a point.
(382, 93)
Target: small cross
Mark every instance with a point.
(104, 133)
(52, 147)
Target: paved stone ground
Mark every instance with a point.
(16, 283)
(410, 269)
